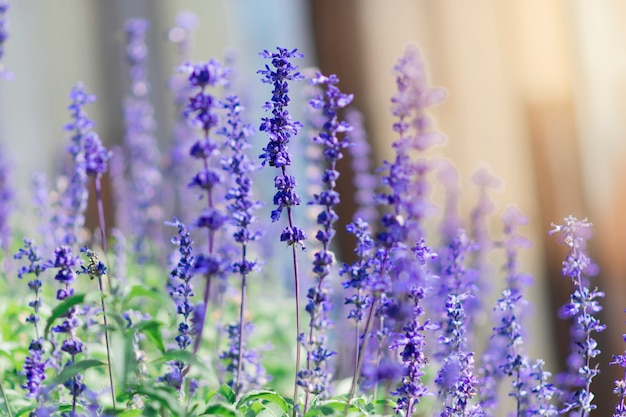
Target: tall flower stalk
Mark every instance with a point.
(142, 153)
(582, 307)
(6, 201)
(91, 160)
(280, 128)
(35, 364)
(333, 140)
(406, 186)
(241, 208)
(201, 113)
(181, 290)
(66, 263)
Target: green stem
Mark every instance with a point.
(105, 248)
(6, 401)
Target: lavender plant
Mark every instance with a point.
(181, 291)
(141, 151)
(280, 128)
(315, 378)
(241, 211)
(35, 364)
(201, 113)
(6, 201)
(65, 262)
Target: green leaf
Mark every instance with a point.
(25, 411)
(220, 410)
(130, 413)
(266, 395)
(228, 393)
(152, 330)
(141, 291)
(163, 397)
(332, 407)
(63, 308)
(72, 370)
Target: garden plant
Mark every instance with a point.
(204, 299)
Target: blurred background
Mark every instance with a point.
(536, 94)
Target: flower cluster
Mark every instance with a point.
(181, 290)
(143, 216)
(200, 112)
(74, 200)
(456, 381)
(35, 364)
(177, 171)
(364, 181)
(582, 306)
(6, 201)
(66, 263)
(330, 102)
(280, 128)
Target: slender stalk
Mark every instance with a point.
(211, 237)
(242, 308)
(105, 248)
(6, 401)
(359, 363)
(294, 253)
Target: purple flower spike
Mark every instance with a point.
(364, 181)
(35, 364)
(180, 288)
(582, 307)
(280, 128)
(74, 200)
(66, 264)
(142, 214)
(332, 140)
(6, 201)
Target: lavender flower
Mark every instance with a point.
(241, 210)
(620, 384)
(201, 113)
(142, 154)
(503, 354)
(456, 381)
(406, 179)
(4, 35)
(35, 364)
(319, 304)
(176, 169)
(583, 304)
(74, 200)
(364, 181)
(479, 233)
(542, 391)
(244, 365)
(6, 201)
(280, 128)
(412, 343)
(66, 263)
(181, 291)
(448, 175)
